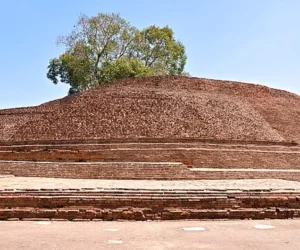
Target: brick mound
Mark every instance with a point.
(161, 107)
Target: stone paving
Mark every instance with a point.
(11, 182)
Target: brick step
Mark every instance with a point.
(199, 155)
(125, 213)
(204, 194)
(159, 191)
(151, 192)
(112, 194)
(41, 151)
(155, 201)
(148, 141)
(195, 157)
(139, 171)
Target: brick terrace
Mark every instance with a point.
(36, 198)
(122, 180)
(156, 128)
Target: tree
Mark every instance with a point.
(124, 68)
(106, 47)
(159, 50)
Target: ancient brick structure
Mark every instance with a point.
(148, 205)
(156, 128)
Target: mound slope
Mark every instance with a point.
(161, 107)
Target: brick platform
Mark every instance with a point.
(195, 154)
(148, 205)
(112, 181)
(71, 199)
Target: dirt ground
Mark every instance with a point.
(214, 235)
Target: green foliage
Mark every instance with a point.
(124, 68)
(159, 50)
(106, 47)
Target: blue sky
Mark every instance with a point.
(246, 40)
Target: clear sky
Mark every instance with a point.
(247, 40)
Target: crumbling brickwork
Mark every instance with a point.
(148, 205)
(162, 107)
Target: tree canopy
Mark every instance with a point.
(106, 47)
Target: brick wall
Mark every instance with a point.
(95, 171)
(132, 171)
(152, 205)
(204, 157)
